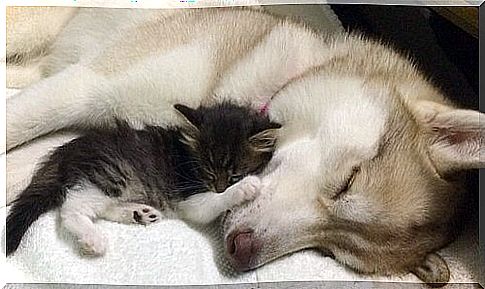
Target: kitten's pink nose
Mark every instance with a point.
(220, 187)
(241, 247)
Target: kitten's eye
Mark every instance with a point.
(235, 178)
(348, 184)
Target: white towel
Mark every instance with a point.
(170, 252)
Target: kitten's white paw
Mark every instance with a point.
(92, 246)
(247, 189)
(146, 215)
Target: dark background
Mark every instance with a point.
(444, 51)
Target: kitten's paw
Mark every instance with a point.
(146, 215)
(247, 189)
(92, 246)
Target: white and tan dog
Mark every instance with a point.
(364, 163)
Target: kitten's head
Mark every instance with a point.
(229, 142)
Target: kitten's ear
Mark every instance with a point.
(190, 115)
(190, 132)
(265, 140)
(273, 125)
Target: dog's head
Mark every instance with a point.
(361, 174)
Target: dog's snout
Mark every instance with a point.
(241, 247)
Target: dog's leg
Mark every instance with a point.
(131, 213)
(206, 207)
(80, 97)
(63, 100)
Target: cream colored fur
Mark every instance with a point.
(30, 32)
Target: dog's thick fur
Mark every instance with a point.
(364, 164)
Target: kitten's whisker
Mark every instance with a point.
(189, 179)
(187, 163)
(190, 188)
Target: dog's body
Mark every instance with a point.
(367, 143)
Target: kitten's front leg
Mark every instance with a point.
(245, 190)
(131, 213)
(206, 207)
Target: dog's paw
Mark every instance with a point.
(92, 246)
(247, 189)
(146, 215)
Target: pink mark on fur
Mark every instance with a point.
(264, 108)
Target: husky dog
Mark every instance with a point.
(197, 171)
(366, 161)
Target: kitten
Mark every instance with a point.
(197, 171)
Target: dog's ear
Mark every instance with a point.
(265, 141)
(457, 135)
(190, 131)
(433, 271)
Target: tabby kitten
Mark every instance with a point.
(196, 171)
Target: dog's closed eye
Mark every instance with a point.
(346, 185)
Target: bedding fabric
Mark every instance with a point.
(171, 252)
